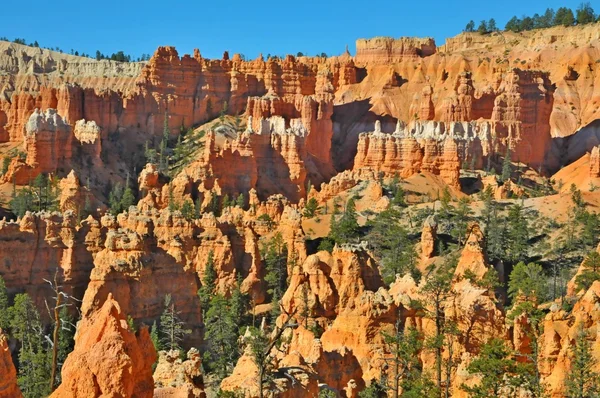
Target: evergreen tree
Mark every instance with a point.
(514, 25)
(221, 337)
(517, 235)
(437, 290)
(209, 281)
(495, 367)
(470, 26)
(491, 25)
(585, 14)
(187, 210)
(391, 243)
(461, 220)
(274, 254)
(582, 381)
(506, 166)
(529, 282)
(240, 201)
(34, 359)
(345, 229)
(172, 331)
(406, 375)
(128, 199)
(226, 202)
(4, 307)
(115, 199)
(564, 16)
(590, 271)
(311, 208)
(66, 339)
(155, 337)
(239, 304)
(482, 28)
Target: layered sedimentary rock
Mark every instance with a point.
(425, 147)
(8, 381)
(40, 245)
(385, 50)
(109, 359)
(141, 258)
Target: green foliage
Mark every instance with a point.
(311, 208)
(403, 348)
(345, 229)
(391, 243)
(495, 367)
(66, 339)
(42, 195)
(5, 163)
(114, 199)
(209, 281)
(240, 201)
(582, 381)
(470, 26)
(265, 218)
(34, 357)
(155, 337)
(4, 306)
(517, 237)
(590, 271)
(585, 14)
(128, 199)
(564, 16)
(187, 210)
(172, 331)
(528, 281)
(274, 254)
(221, 337)
(397, 192)
(482, 28)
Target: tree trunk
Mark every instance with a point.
(57, 326)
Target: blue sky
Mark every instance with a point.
(247, 27)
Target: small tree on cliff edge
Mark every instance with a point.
(209, 280)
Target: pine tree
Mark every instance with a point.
(346, 229)
(240, 201)
(517, 234)
(406, 370)
(4, 307)
(495, 367)
(590, 271)
(239, 304)
(209, 280)
(155, 337)
(115, 199)
(391, 243)
(437, 290)
(221, 337)
(311, 208)
(171, 330)
(506, 166)
(128, 199)
(187, 210)
(529, 282)
(470, 26)
(582, 381)
(274, 254)
(34, 359)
